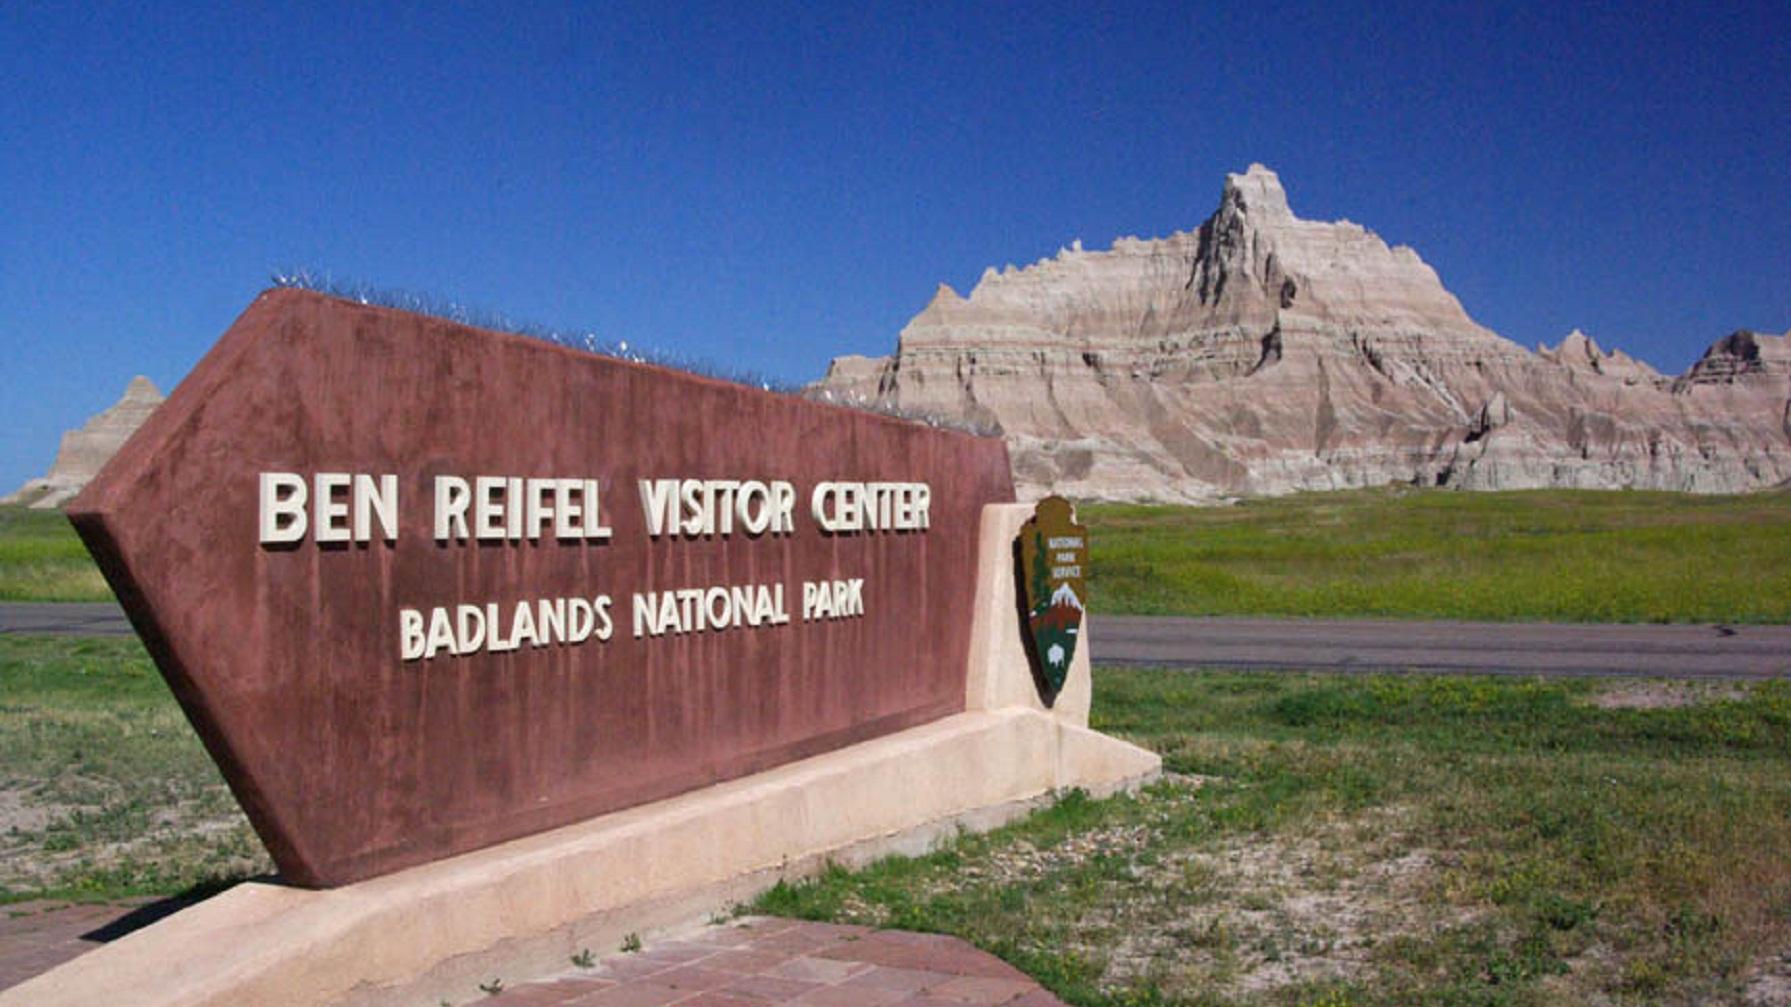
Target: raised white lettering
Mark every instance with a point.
(452, 497)
(371, 500)
(330, 514)
(411, 637)
(282, 507)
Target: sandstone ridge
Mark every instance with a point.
(1263, 354)
(85, 450)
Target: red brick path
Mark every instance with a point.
(754, 962)
(761, 961)
(38, 936)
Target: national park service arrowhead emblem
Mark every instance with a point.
(1053, 565)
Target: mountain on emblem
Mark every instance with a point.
(1053, 551)
(1065, 596)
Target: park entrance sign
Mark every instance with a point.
(423, 587)
(584, 646)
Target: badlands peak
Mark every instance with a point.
(1581, 352)
(1252, 264)
(1258, 193)
(85, 450)
(1262, 353)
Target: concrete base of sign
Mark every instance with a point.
(525, 906)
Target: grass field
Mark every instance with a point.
(1557, 555)
(105, 790)
(1334, 841)
(42, 560)
(1320, 840)
(1571, 556)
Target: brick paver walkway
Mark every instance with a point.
(38, 936)
(761, 961)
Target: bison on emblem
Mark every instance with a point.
(1053, 565)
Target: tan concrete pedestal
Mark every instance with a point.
(524, 906)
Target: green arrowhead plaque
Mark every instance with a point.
(1053, 569)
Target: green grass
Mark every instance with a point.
(105, 790)
(1558, 555)
(1381, 841)
(42, 560)
(1320, 840)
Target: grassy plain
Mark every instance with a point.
(1332, 841)
(1320, 840)
(41, 559)
(1547, 555)
(1557, 555)
(105, 790)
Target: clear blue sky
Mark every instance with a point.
(767, 187)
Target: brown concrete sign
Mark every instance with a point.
(423, 587)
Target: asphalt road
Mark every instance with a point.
(99, 619)
(1310, 644)
(1689, 651)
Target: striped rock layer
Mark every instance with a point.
(1263, 354)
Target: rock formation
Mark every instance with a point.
(83, 451)
(1264, 354)
(1579, 351)
(1741, 357)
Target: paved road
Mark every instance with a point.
(1500, 648)
(99, 619)
(1318, 644)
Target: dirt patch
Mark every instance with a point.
(1640, 694)
(1770, 985)
(1024, 862)
(1260, 913)
(46, 844)
(1246, 915)
(1240, 916)
(20, 814)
